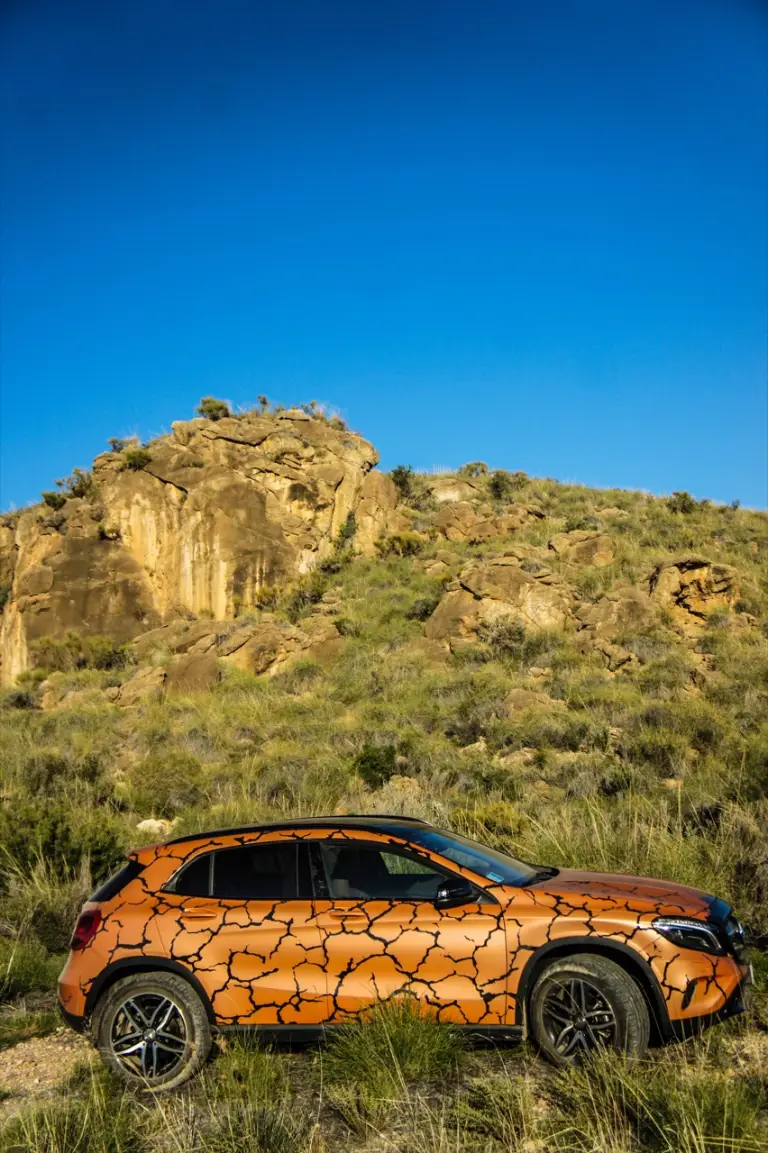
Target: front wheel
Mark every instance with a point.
(585, 1003)
(152, 1030)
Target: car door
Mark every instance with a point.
(384, 935)
(242, 919)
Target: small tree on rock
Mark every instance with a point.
(213, 409)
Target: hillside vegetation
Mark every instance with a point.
(580, 676)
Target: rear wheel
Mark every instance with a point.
(152, 1030)
(585, 1003)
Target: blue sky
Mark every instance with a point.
(531, 232)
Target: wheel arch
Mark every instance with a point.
(129, 966)
(624, 956)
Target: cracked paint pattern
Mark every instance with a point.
(305, 962)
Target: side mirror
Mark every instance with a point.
(455, 892)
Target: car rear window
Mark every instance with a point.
(113, 886)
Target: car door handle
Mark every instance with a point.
(341, 917)
(198, 914)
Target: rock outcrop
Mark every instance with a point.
(691, 588)
(579, 547)
(201, 522)
(462, 521)
(487, 593)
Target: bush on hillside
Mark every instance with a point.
(400, 544)
(136, 459)
(681, 502)
(213, 409)
(75, 652)
(403, 477)
(54, 500)
(34, 828)
(79, 484)
(376, 764)
(164, 783)
(501, 486)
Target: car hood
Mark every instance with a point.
(641, 893)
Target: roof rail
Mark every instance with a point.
(384, 817)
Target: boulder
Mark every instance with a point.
(449, 489)
(269, 645)
(193, 673)
(500, 588)
(584, 548)
(518, 700)
(146, 684)
(156, 828)
(461, 521)
(179, 636)
(613, 513)
(486, 593)
(626, 610)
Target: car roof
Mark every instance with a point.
(377, 822)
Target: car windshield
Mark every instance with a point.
(488, 863)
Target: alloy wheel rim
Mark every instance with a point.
(578, 1018)
(149, 1036)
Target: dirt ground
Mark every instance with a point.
(36, 1069)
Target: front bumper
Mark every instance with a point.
(690, 1026)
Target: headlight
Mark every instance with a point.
(689, 933)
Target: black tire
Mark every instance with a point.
(583, 1003)
(152, 1030)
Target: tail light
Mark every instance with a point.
(85, 929)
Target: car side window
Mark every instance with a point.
(194, 880)
(376, 873)
(257, 872)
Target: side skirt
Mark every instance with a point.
(306, 1033)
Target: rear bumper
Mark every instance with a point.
(71, 1019)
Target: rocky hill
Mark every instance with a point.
(185, 545)
(200, 522)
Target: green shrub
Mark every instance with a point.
(213, 409)
(422, 609)
(164, 783)
(375, 764)
(18, 699)
(391, 1043)
(79, 484)
(77, 652)
(474, 468)
(246, 1128)
(103, 1121)
(20, 1025)
(681, 502)
(25, 967)
(35, 828)
(136, 459)
(508, 638)
(54, 500)
(400, 544)
(116, 444)
(347, 531)
(403, 477)
(503, 485)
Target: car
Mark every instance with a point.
(300, 925)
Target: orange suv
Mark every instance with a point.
(298, 925)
